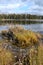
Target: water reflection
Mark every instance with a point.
(33, 27)
(4, 27)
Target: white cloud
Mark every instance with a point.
(39, 2)
(28, 6)
(9, 6)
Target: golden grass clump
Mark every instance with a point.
(23, 39)
(6, 57)
(40, 55)
(26, 38)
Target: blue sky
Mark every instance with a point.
(22, 6)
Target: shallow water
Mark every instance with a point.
(2, 27)
(33, 27)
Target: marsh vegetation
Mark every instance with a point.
(26, 47)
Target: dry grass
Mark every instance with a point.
(24, 38)
(6, 57)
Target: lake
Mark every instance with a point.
(33, 27)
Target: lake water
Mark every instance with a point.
(33, 27)
(3, 27)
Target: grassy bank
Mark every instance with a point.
(23, 39)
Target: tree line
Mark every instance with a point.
(20, 16)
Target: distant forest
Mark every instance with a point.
(20, 16)
(19, 19)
